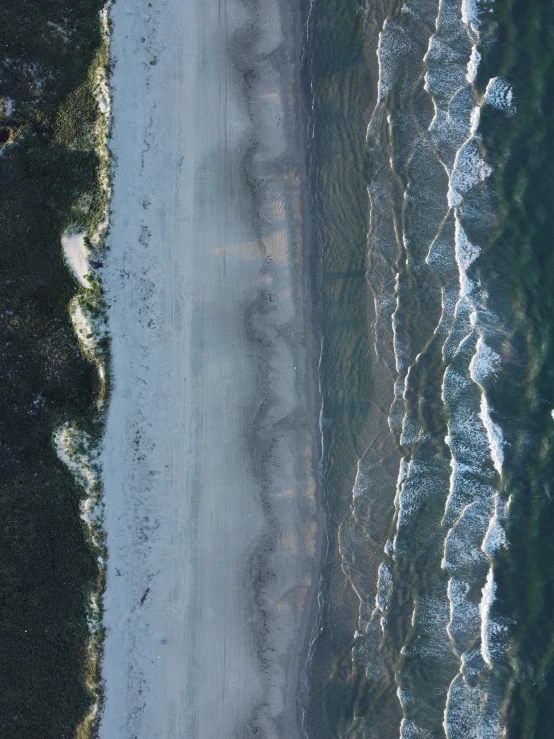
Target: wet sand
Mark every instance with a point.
(211, 443)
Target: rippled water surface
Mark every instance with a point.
(432, 177)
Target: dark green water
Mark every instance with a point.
(520, 266)
(433, 190)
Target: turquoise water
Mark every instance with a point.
(432, 175)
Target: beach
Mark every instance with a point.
(210, 452)
(277, 425)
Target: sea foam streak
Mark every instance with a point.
(466, 636)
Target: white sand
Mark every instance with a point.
(76, 255)
(209, 450)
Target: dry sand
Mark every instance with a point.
(210, 446)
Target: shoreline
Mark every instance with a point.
(345, 95)
(211, 451)
(312, 277)
(312, 269)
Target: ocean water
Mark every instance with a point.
(432, 176)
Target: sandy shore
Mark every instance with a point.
(210, 447)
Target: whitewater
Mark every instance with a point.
(430, 610)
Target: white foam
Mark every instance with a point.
(464, 320)
(467, 715)
(495, 537)
(430, 618)
(412, 432)
(484, 363)
(494, 435)
(463, 625)
(404, 698)
(410, 730)
(462, 544)
(469, 169)
(384, 86)
(473, 510)
(488, 594)
(389, 50)
(466, 253)
(457, 469)
(473, 65)
(474, 120)
(453, 384)
(402, 475)
(448, 303)
(361, 483)
(470, 12)
(384, 587)
(397, 344)
(397, 409)
(500, 95)
(419, 484)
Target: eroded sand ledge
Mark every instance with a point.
(210, 446)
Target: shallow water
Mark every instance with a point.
(432, 181)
